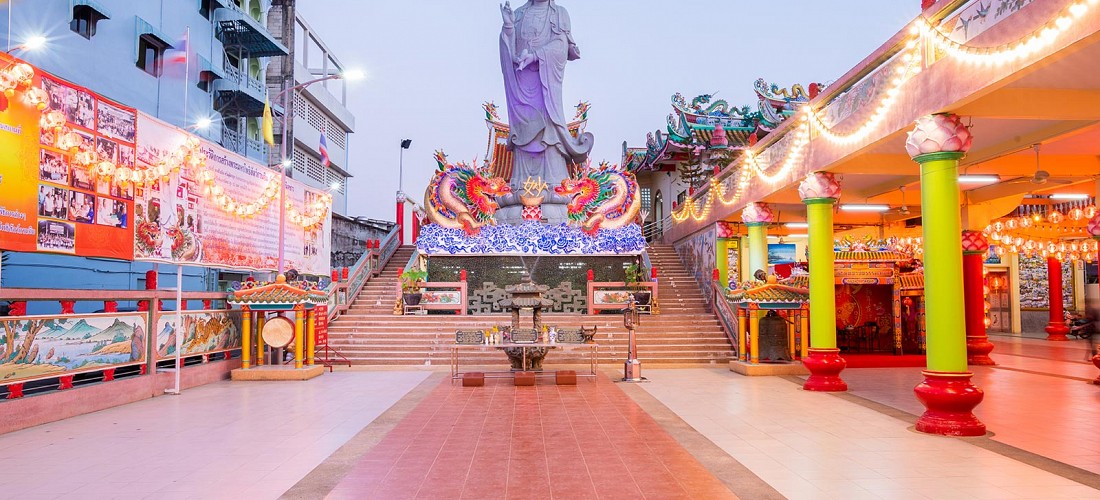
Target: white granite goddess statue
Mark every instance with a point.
(535, 44)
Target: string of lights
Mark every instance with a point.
(910, 64)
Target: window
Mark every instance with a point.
(204, 8)
(647, 200)
(151, 55)
(84, 21)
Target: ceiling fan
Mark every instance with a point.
(902, 212)
(1041, 176)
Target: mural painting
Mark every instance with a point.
(207, 331)
(50, 346)
(699, 255)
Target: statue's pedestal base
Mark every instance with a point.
(551, 214)
(277, 372)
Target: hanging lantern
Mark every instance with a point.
(23, 73)
(1010, 224)
(1025, 222)
(1076, 214)
(998, 227)
(37, 97)
(52, 120)
(1090, 211)
(1056, 217)
(105, 169)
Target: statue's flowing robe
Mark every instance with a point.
(539, 134)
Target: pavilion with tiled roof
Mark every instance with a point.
(257, 298)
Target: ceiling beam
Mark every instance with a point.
(1036, 104)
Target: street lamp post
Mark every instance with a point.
(284, 162)
(405, 144)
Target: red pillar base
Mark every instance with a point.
(1056, 331)
(1096, 363)
(977, 351)
(950, 398)
(825, 366)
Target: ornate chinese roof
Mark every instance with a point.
(912, 281)
(497, 155)
(691, 126)
(799, 281)
(870, 256)
(279, 292)
(771, 294)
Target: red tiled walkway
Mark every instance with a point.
(547, 441)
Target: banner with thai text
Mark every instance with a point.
(184, 219)
(52, 135)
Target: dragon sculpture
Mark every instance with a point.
(602, 197)
(461, 196)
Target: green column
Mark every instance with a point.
(758, 248)
(819, 217)
(943, 287)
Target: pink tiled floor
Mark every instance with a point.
(547, 441)
(1031, 402)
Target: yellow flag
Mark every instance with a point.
(269, 124)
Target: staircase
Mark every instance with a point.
(683, 332)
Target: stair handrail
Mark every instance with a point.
(727, 317)
(358, 276)
(389, 246)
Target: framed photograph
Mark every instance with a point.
(56, 236)
(53, 167)
(81, 207)
(82, 179)
(116, 122)
(53, 202)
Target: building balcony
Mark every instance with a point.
(239, 143)
(239, 94)
(239, 32)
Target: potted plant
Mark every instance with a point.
(633, 280)
(410, 285)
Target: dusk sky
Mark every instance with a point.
(430, 65)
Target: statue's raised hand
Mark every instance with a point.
(507, 14)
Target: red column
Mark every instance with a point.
(1056, 329)
(978, 346)
(416, 227)
(400, 218)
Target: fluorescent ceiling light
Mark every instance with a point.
(1069, 196)
(797, 236)
(979, 179)
(867, 207)
(797, 225)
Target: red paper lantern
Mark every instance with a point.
(150, 280)
(462, 275)
(344, 273)
(653, 273)
(591, 275)
(715, 274)
(335, 275)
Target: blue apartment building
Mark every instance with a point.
(119, 49)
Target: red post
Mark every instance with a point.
(150, 280)
(400, 219)
(207, 304)
(335, 275)
(653, 273)
(65, 382)
(978, 346)
(415, 227)
(1056, 329)
(591, 275)
(67, 306)
(110, 306)
(462, 275)
(183, 305)
(344, 274)
(714, 274)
